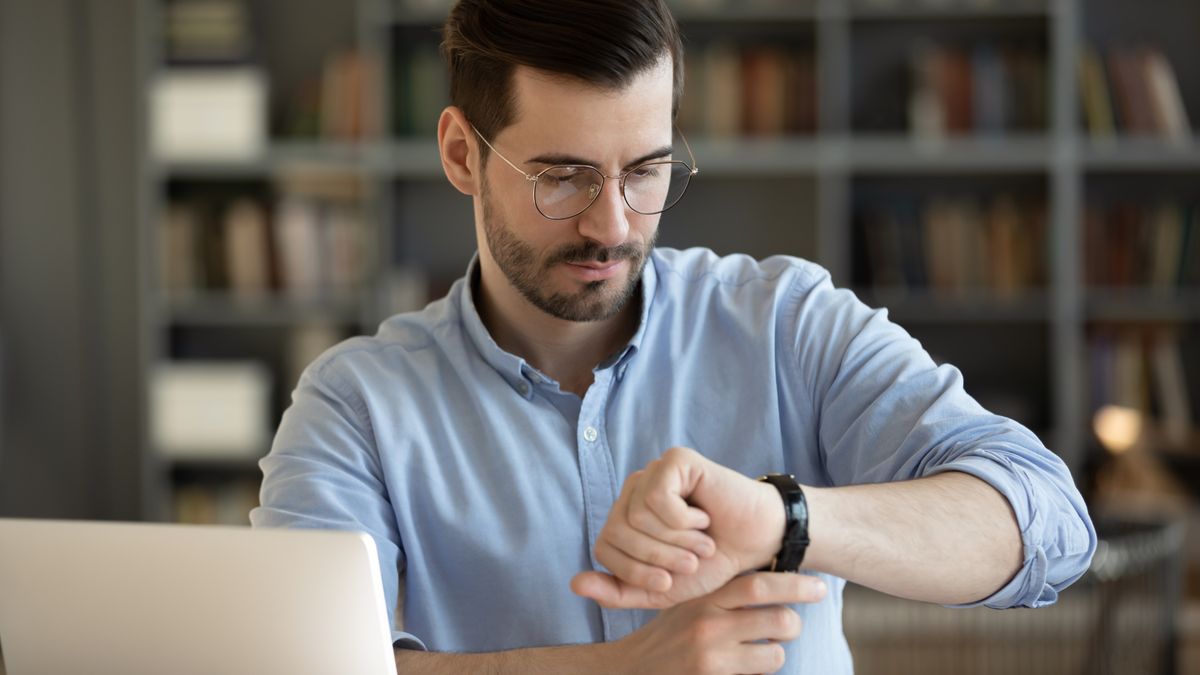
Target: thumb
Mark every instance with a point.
(609, 591)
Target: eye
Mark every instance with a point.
(646, 171)
(564, 174)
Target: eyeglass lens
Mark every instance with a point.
(566, 191)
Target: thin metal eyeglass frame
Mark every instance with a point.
(534, 178)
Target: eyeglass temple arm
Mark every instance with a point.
(695, 169)
(531, 179)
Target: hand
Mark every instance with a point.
(653, 543)
(721, 633)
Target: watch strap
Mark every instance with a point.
(795, 534)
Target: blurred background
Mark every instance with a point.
(197, 197)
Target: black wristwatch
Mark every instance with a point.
(795, 532)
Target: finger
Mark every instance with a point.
(631, 508)
(778, 623)
(652, 551)
(609, 591)
(662, 493)
(630, 570)
(764, 658)
(692, 539)
(769, 588)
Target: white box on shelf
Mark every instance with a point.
(209, 114)
(210, 410)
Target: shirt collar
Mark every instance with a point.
(514, 369)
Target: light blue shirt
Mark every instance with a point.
(485, 486)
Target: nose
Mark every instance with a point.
(606, 221)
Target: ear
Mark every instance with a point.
(459, 149)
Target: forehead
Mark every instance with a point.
(558, 113)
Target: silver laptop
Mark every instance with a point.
(90, 597)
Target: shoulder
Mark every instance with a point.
(400, 345)
(700, 271)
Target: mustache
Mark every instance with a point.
(593, 252)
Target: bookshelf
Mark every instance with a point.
(803, 179)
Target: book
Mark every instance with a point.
(247, 249)
(1129, 373)
(1131, 92)
(1166, 233)
(421, 91)
(1093, 88)
(1004, 273)
(723, 100)
(926, 114)
(955, 89)
(884, 249)
(1095, 234)
(1189, 251)
(1170, 388)
(1166, 102)
(763, 91)
(297, 235)
(939, 249)
(691, 106)
(800, 94)
(988, 103)
(349, 97)
(179, 256)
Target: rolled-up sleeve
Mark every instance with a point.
(323, 472)
(887, 412)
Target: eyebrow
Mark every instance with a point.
(556, 159)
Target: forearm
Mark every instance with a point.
(570, 660)
(947, 539)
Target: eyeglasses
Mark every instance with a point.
(565, 191)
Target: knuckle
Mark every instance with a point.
(708, 661)
(658, 557)
(661, 502)
(788, 623)
(757, 590)
(703, 632)
(676, 454)
(641, 519)
(642, 576)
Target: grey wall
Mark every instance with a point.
(68, 260)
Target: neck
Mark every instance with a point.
(566, 351)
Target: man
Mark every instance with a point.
(584, 411)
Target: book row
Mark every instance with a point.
(304, 245)
(953, 245)
(987, 89)
(1142, 368)
(1134, 91)
(1138, 246)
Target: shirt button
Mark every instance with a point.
(523, 388)
(590, 434)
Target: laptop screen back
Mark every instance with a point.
(128, 598)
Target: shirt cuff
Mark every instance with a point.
(1029, 587)
(402, 640)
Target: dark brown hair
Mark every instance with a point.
(601, 42)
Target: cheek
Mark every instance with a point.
(645, 227)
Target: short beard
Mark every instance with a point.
(520, 266)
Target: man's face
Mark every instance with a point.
(585, 268)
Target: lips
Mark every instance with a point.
(594, 271)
